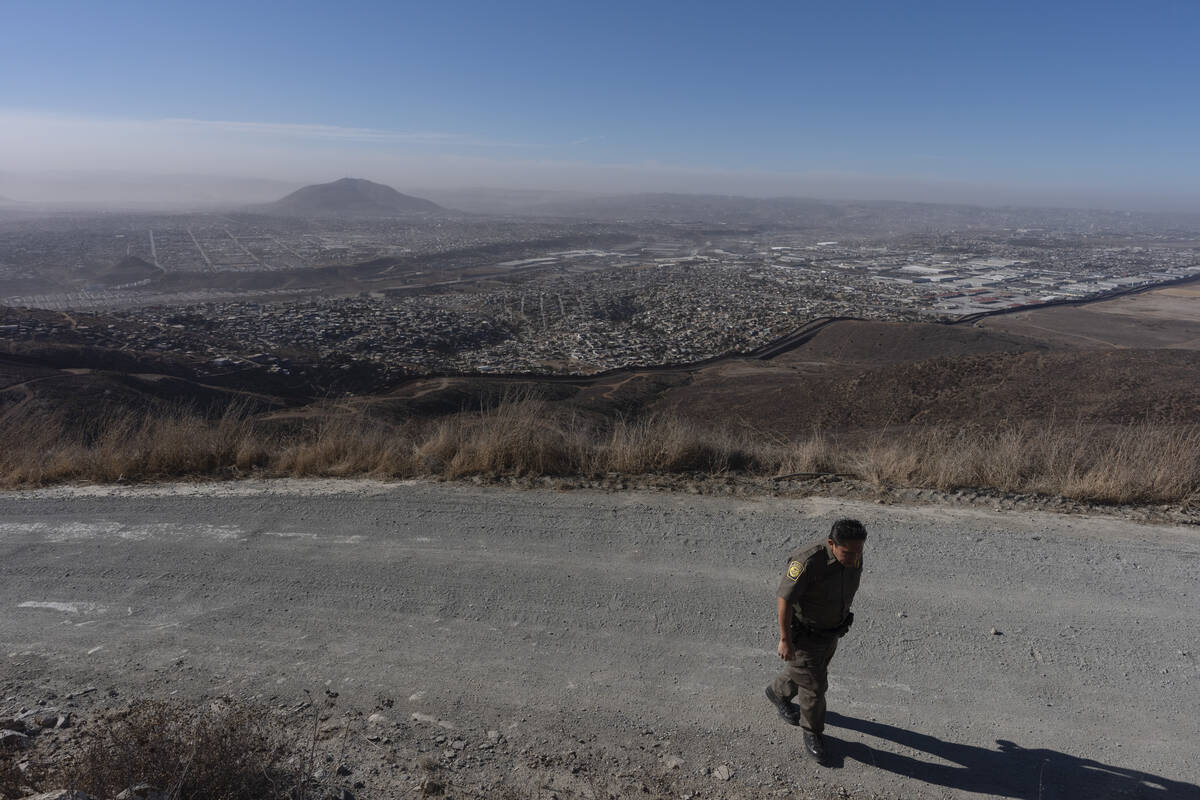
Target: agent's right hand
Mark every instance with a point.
(785, 650)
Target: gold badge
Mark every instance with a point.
(795, 570)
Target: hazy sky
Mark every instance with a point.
(975, 100)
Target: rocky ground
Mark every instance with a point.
(342, 754)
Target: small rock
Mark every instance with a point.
(996, 632)
(343, 770)
(900, 615)
(143, 791)
(459, 744)
(493, 736)
(672, 762)
(13, 739)
(377, 719)
(722, 773)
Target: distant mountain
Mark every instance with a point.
(645, 207)
(831, 218)
(671, 207)
(349, 197)
(491, 200)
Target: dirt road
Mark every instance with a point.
(1013, 655)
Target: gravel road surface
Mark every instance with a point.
(1014, 655)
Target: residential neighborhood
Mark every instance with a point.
(514, 296)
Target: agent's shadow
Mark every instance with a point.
(1008, 771)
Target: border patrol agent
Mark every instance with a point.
(813, 609)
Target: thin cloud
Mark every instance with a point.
(290, 130)
(32, 130)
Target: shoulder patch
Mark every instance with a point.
(795, 569)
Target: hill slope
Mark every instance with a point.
(349, 197)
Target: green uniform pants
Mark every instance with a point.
(806, 677)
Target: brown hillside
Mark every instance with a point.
(1119, 386)
(80, 396)
(864, 341)
(1167, 318)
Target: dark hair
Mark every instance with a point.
(847, 530)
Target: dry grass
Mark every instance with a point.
(228, 753)
(667, 444)
(1105, 464)
(1148, 463)
(15, 782)
(516, 438)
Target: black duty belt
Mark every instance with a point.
(802, 627)
(811, 630)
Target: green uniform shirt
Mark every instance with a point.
(817, 586)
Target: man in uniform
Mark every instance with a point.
(813, 608)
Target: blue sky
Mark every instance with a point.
(771, 98)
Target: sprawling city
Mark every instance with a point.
(468, 293)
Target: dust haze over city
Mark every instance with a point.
(424, 401)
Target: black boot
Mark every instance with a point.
(814, 743)
(786, 709)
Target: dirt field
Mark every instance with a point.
(1167, 318)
